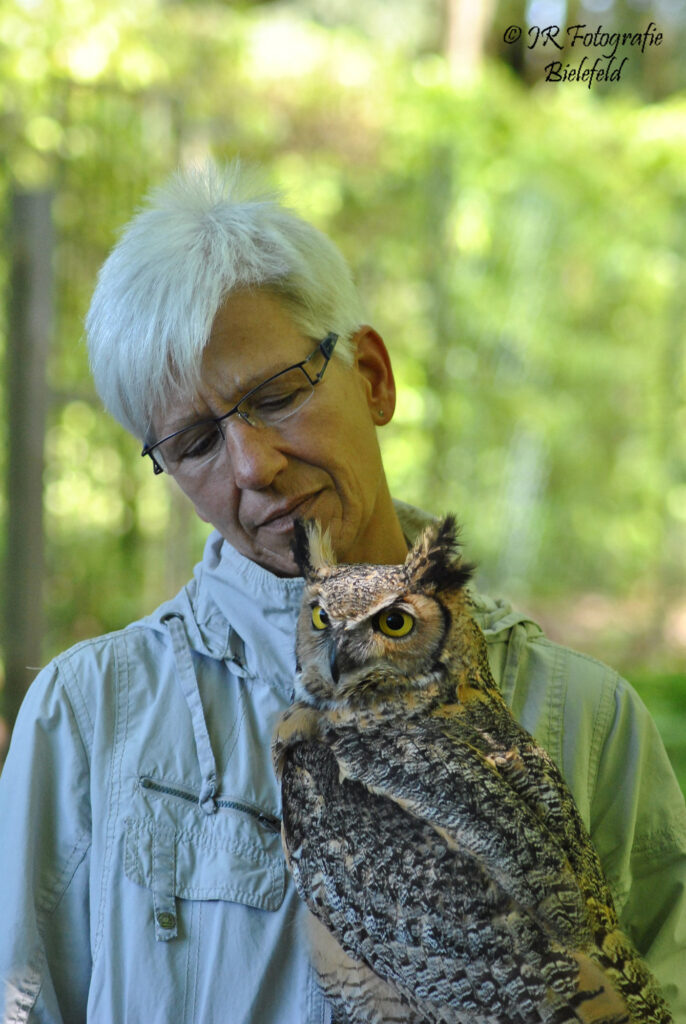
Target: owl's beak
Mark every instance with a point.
(333, 664)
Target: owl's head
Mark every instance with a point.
(367, 630)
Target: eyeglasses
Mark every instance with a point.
(188, 450)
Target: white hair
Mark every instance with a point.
(203, 235)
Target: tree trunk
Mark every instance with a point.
(30, 305)
(468, 24)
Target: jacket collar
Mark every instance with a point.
(231, 602)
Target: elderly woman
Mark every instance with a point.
(142, 873)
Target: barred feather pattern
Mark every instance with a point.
(447, 870)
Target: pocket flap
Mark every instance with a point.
(208, 867)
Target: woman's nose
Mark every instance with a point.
(254, 454)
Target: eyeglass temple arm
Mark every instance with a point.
(148, 450)
(156, 468)
(328, 344)
(326, 347)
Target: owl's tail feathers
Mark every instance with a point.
(614, 990)
(631, 977)
(596, 1000)
(356, 993)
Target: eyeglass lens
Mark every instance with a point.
(269, 404)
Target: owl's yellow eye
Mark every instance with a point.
(320, 620)
(395, 622)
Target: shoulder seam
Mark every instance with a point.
(97, 641)
(571, 651)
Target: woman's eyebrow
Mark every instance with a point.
(247, 384)
(260, 378)
(236, 394)
(231, 397)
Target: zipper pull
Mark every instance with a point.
(271, 823)
(206, 798)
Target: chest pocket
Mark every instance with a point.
(178, 852)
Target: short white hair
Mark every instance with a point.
(206, 233)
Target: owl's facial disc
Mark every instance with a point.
(376, 638)
(357, 640)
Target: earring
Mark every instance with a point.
(381, 413)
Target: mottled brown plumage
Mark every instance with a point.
(447, 869)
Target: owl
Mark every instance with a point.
(447, 872)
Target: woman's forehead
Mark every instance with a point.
(252, 339)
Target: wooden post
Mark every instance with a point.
(30, 319)
(467, 29)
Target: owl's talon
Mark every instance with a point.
(298, 723)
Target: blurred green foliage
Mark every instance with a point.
(665, 697)
(521, 247)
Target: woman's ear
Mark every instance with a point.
(374, 364)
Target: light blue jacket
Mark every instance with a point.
(141, 873)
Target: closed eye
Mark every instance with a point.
(193, 443)
(278, 400)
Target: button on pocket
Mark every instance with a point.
(211, 863)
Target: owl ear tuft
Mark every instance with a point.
(434, 561)
(311, 546)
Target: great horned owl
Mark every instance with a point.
(447, 870)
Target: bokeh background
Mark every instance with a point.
(520, 243)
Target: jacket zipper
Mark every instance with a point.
(268, 821)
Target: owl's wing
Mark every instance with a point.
(425, 915)
(490, 729)
(483, 785)
(440, 771)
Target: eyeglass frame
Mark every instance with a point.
(325, 346)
